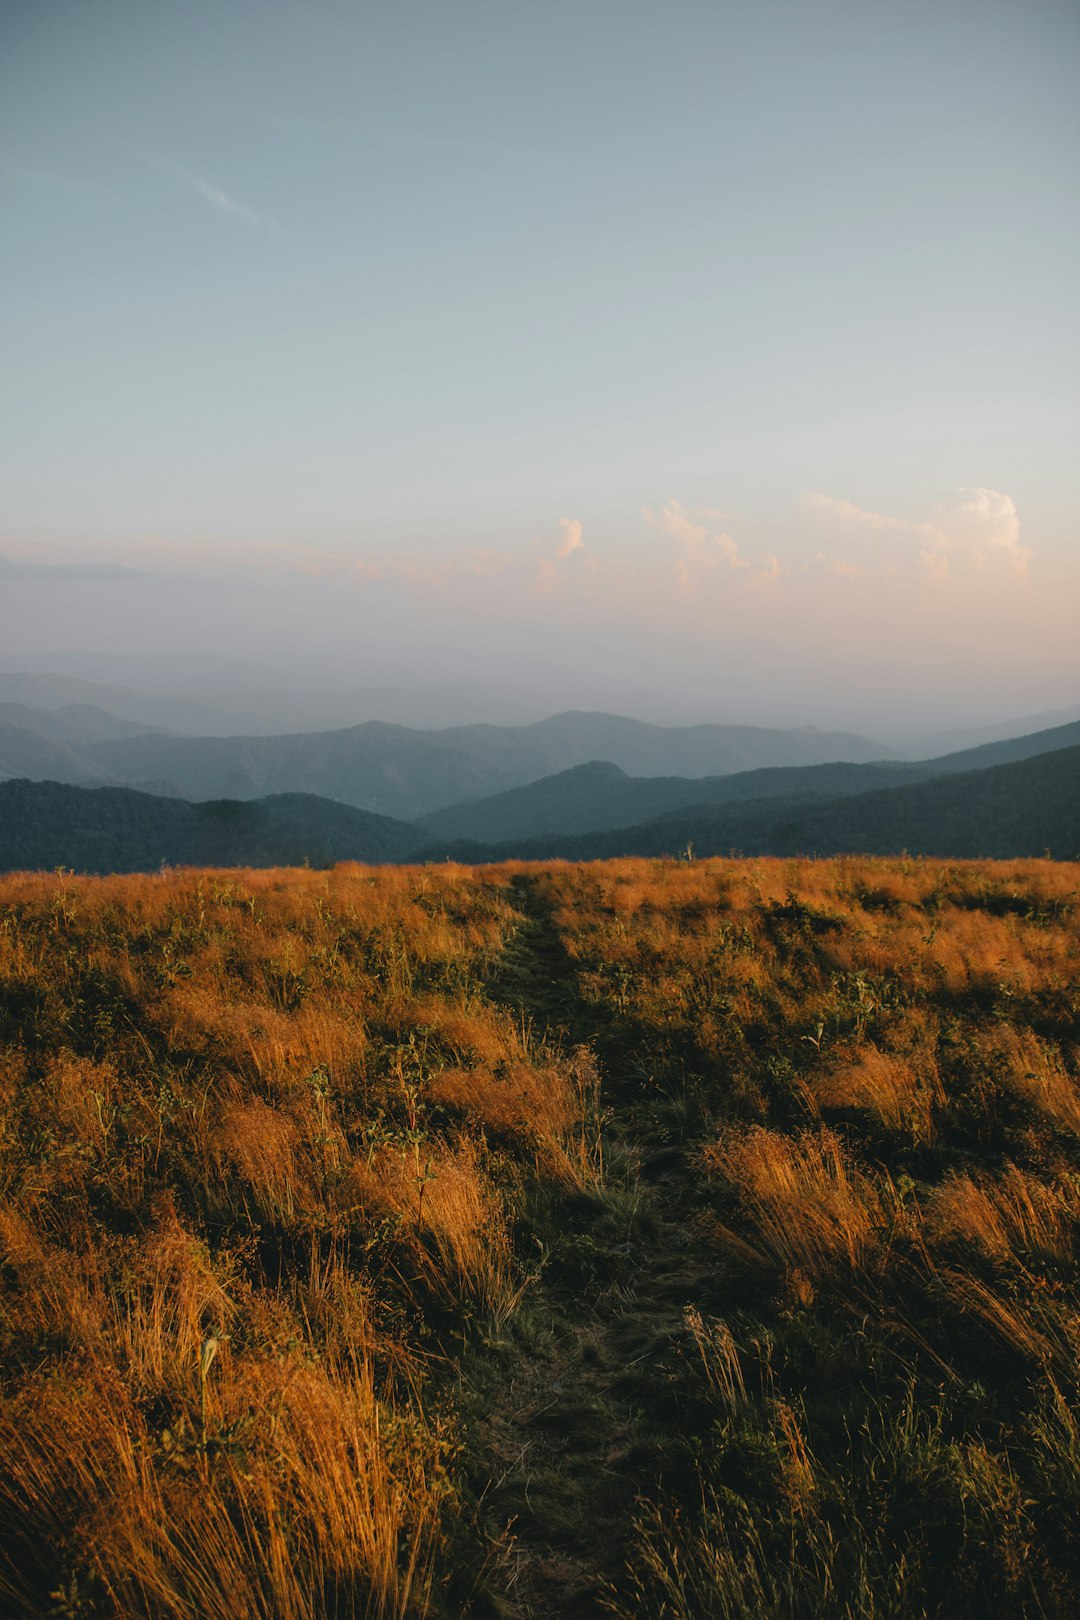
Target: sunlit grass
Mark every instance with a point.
(278, 1148)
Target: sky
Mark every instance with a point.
(726, 351)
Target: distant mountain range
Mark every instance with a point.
(73, 724)
(964, 737)
(147, 711)
(210, 696)
(1008, 750)
(217, 697)
(52, 744)
(1019, 796)
(599, 796)
(1029, 807)
(392, 770)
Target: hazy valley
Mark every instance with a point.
(576, 786)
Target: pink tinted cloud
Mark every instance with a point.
(572, 539)
(982, 527)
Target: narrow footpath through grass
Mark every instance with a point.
(573, 1408)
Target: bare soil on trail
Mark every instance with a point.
(574, 1411)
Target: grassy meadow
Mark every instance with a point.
(643, 1238)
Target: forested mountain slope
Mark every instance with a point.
(47, 824)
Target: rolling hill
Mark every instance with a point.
(143, 710)
(556, 777)
(48, 824)
(398, 771)
(1028, 807)
(598, 797)
(1010, 749)
(52, 744)
(952, 741)
(28, 754)
(74, 724)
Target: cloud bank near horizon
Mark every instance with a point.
(831, 613)
(974, 535)
(692, 591)
(983, 527)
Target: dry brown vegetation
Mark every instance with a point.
(810, 1210)
(261, 1131)
(294, 1164)
(874, 1067)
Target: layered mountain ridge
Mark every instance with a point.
(401, 771)
(90, 790)
(1022, 808)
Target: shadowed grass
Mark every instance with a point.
(654, 1238)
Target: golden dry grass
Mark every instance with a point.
(264, 1486)
(250, 1112)
(903, 1091)
(1011, 1215)
(266, 1140)
(808, 1209)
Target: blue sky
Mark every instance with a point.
(358, 313)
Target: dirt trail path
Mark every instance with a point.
(575, 1411)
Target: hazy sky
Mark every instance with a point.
(721, 348)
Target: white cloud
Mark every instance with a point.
(214, 196)
(837, 565)
(989, 519)
(222, 202)
(674, 519)
(848, 512)
(701, 552)
(571, 540)
(984, 526)
(771, 569)
(547, 574)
